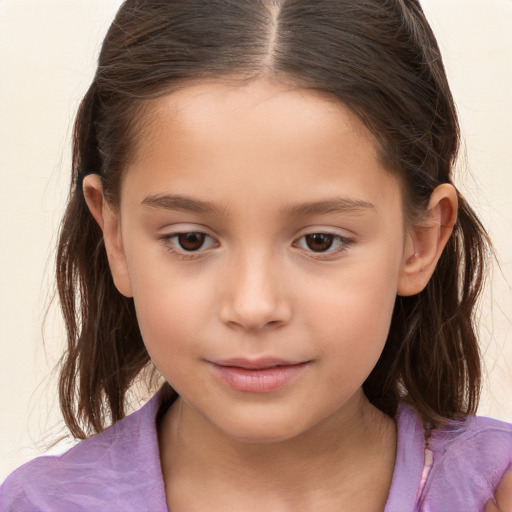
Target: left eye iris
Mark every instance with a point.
(319, 242)
(191, 241)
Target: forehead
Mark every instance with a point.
(260, 137)
(261, 106)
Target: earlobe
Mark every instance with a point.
(109, 222)
(426, 241)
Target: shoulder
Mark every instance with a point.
(102, 473)
(483, 443)
(457, 469)
(469, 460)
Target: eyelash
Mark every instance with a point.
(342, 244)
(184, 254)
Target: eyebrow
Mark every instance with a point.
(183, 203)
(335, 205)
(188, 204)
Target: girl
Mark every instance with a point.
(262, 208)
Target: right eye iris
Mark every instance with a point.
(191, 241)
(319, 242)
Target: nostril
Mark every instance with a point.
(255, 320)
(252, 298)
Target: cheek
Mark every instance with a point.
(351, 311)
(168, 310)
(170, 326)
(172, 320)
(170, 304)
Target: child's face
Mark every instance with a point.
(296, 260)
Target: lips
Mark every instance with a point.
(257, 376)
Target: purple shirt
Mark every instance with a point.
(119, 469)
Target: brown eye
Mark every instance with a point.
(319, 242)
(191, 241)
(188, 244)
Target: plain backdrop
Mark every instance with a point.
(47, 57)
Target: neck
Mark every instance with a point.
(342, 453)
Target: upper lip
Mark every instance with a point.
(256, 364)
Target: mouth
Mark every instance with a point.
(258, 375)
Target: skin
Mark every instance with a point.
(275, 166)
(503, 497)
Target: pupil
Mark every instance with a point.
(319, 242)
(191, 241)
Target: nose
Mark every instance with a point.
(254, 295)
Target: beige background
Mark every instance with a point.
(47, 55)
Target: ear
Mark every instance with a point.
(109, 221)
(425, 242)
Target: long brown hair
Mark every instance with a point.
(381, 59)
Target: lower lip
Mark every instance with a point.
(258, 381)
